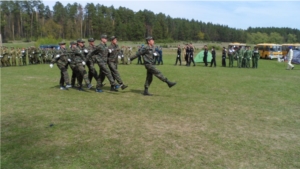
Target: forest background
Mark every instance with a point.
(33, 20)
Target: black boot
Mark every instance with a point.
(170, 84)
(112, 88)
(146, 93)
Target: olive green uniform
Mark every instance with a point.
(61, 59)
(149, 55)
(113, 55)
(101, 53)
(91, 60)
(79, 60)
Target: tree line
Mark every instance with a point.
(30, 20)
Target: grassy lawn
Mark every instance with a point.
(213, 118)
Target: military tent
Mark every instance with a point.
(200, 55)
(296, 57)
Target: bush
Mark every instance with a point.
(47, 41)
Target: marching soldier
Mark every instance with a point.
(149, 54)
(101, 51)
(79, 60)
(61, 59)
(91, 61)
(113, 53)
(72, 64)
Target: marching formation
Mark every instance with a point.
(106, 57)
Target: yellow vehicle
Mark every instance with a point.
(285, 47)
(236, 44)
(269, 50)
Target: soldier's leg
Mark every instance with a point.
(107, 73)
(65, 74)
(115, 73)
(149, 79)
(74, 76)
(61, 80)
(84, 74)
(153, 71)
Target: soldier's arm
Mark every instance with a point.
(94, 52)
(138, 53)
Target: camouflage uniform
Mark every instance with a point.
(13, 54)
(249, 56)
(239, 55)
(91, 61)
(80, 60)
(113, 54)
(4, 59)
(19, 57)
(101, 58)
(148, 53)
(61, 59)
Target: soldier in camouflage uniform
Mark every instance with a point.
(148, 53)
(61, 59)
(4, 59)
(91, 61)
(43, 55)
(239, 55)
(249, 56)
(80, 61)
(80, 66)
(13, 56)
(37, 55)
(113, 53)
(73, 64)
(19, 56)
(101, 53)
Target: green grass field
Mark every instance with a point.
(213, 118)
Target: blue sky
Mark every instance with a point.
(235, 14)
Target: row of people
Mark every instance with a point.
(106, 57)
(242, 56)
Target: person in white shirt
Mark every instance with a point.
(290, 57)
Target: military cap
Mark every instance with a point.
(80, 41)
(149, 38)
(113, 37)
(104, 36)
(62, 43)
(73, 43)
(91, 40)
